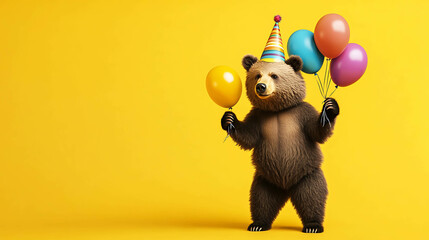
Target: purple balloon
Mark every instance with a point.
(347, 68)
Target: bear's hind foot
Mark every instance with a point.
(254, 227)
(313, 228)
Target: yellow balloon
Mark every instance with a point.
(224, 86)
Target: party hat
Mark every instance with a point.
(273, 51)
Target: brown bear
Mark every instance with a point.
(284, 133)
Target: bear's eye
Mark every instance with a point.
(258, 76)
(274, 76)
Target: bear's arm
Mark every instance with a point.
(312, 125)
(247, 132)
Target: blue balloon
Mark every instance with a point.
(301, 43)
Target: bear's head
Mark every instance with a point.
(274, 86)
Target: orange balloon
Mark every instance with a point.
(332, 35)
(224, 86)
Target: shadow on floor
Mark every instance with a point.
(239, 225)
(204, 223)
(289, 228)
(191, 222)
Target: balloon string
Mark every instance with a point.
(228, 130)
(329, 77)
(325, 90)
(318, 83)
(336, 87)
(324, 78)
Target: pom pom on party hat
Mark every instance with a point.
(273, 51)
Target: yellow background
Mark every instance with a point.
(107, 132)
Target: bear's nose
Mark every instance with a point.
(261, 87)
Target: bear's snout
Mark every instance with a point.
(264, 87)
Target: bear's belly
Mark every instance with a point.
(284, 154)
(282, 132)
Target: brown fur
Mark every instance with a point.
(284, 132)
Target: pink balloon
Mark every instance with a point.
(347, 68)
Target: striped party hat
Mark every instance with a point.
(273, 51)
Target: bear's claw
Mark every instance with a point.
(258, 227)
(313, 228)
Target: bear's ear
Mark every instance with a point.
(248, 61)
(295, 62)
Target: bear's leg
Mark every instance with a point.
(309, 197)
(266, 200)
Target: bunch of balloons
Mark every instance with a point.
(331, 40)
